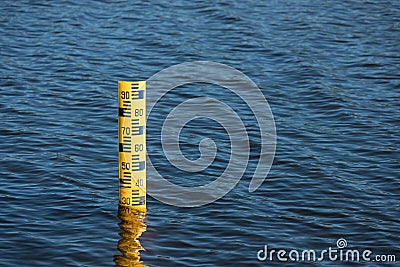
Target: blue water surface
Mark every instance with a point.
(329, 70)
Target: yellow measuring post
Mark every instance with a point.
(132, 144)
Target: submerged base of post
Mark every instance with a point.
(132, 226)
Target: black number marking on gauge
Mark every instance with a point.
(139, 147)
(125, 166)
(138, 112)
(125, 95)
(126, 130)
(125, 200)
(139, 182)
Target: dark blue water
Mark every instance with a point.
(329, 69)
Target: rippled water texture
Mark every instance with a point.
(329, 70)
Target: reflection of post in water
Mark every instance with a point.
(132, 226)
